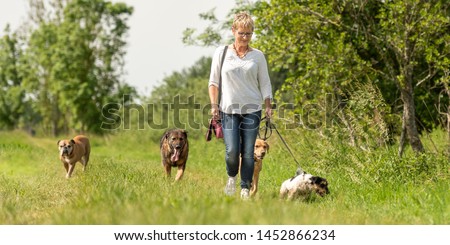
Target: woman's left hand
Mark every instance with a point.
(269, 112)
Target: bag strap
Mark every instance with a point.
(209, 131)
(211, 127)
(220, 74)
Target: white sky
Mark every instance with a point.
(155, 49)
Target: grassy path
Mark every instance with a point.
(124, 184)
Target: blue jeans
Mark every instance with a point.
(239, 133)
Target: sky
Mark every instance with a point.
(155, 49)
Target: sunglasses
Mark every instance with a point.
(245, 34)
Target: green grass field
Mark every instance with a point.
(124, 184)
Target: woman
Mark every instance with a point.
(245, 86)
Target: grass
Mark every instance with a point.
(124, 184)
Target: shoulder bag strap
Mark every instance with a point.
(220, 73)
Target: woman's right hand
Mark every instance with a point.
(213, 92)
(215, 111)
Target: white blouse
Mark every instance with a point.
(245, 82)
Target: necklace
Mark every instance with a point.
(237, 52)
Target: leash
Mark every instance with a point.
(268, 132)
(267, 129)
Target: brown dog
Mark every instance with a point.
(261, 149)
(72, 151)
(174, 148)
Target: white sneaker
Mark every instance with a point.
(245, 194)
(230, 188)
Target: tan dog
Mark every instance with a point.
(261, 149)
(174, 148)
(73, 151)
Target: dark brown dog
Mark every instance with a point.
(261, 149)
(72, 151)
(174, 148)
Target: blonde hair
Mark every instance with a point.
(243, 19)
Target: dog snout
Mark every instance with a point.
(65, 150)
(260, 154)
(322, 193)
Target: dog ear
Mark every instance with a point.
(299, 171)
(321, 185)
(319, 180)
(72, 141)
(315, 180)
(267, 147)
(168, 133)
(163, 139)
(57, 143)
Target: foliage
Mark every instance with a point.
(72, 62)
(218, 32)
(328, 46)
(12, 93)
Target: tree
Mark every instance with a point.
(411, 39)
(12, 93)
(74, 60)
(402, 43)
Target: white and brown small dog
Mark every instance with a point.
(261, 149)
(302, 185)
(72, 151)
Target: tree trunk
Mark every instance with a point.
(448, 130)
(55, 117)
(447, 91)
(409, 116)
(401, 146)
